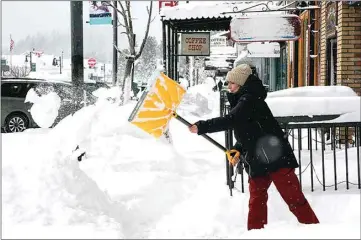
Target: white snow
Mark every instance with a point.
(45, 69)
(262, 27)
(212, 9)
(45, 108)
(295, 106)
(316, 100)
(315, 91)
(129, 185)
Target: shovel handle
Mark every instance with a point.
(203, 135)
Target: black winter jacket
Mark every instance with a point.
(260, 139)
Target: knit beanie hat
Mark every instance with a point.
(239, 74)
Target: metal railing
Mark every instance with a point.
(328, 153)
(325, 142)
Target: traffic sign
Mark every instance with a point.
(92, 62)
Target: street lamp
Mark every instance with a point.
(30, 55)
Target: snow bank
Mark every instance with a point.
(316, 100)
(200, 100)
(298, 106)
(314, 91)
(130, 185)
(45, 194)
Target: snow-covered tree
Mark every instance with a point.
(147, 63)
(19, 71)
(124, 10)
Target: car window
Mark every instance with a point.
(15, 89)
(44, 88)
(65, 92)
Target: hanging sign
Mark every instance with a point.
(219, 41)
(263, 50)
(99, 13)
(195, 44)
(167, 3)
(265, 28)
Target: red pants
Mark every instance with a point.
(288, 186)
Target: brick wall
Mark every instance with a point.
(322, 40)
(349, 47)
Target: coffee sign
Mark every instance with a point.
(219, 41)
(195, 44)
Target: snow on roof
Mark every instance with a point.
(210, 9)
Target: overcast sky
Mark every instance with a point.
(22, 18)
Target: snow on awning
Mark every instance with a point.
(210, 16)
(199, 10)
(194, 10)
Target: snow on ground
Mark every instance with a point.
(130, 185)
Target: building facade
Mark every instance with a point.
(329, 49)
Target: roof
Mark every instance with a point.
(206, 16)
(198, 16)
(198, 9)
(201, 24)
(33, 80)
(215, 9)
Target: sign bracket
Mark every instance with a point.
(267, 8)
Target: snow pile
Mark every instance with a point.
(315, 91)
(46, 194)
(184, 83)
(200, 99)
(130, 185)
(45, 108)
(296, 106)
(316, 100)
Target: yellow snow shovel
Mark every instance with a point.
(158, 105)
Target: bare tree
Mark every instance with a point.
(19, 71)
(126, 22)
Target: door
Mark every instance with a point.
(13, 95)
(331, 76)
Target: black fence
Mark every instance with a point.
(328, 154)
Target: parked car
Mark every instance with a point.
(15, 115)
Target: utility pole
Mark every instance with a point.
(62, 58)
(77, 55)
(104, 72)
(31, 60)
(60, 63)
(134, 42)
(115, 44)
